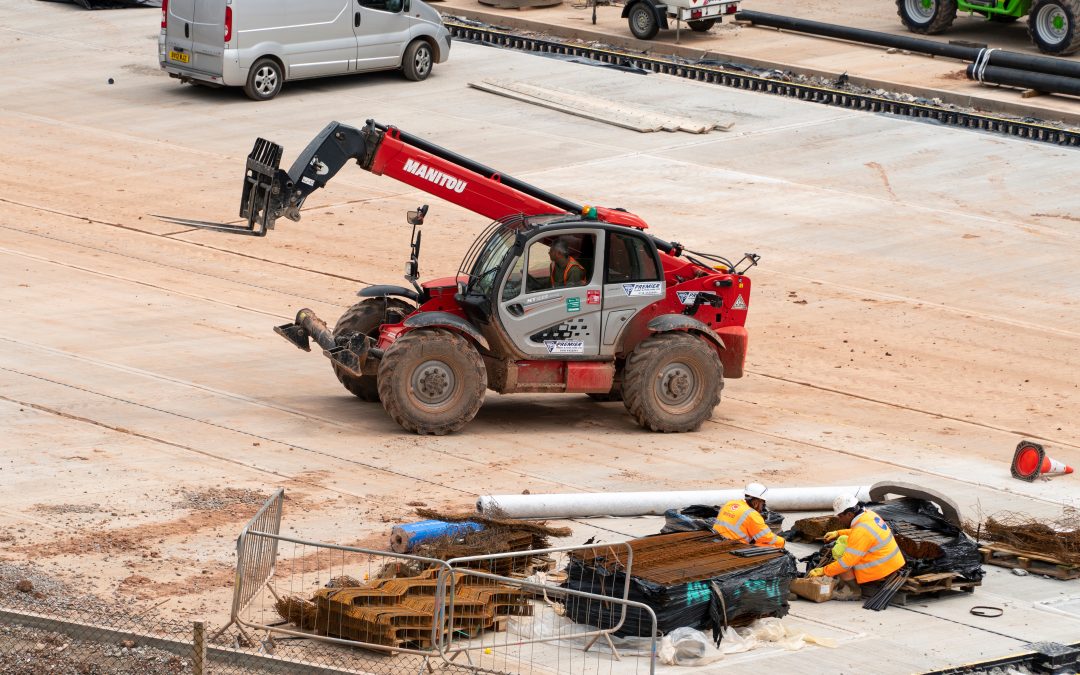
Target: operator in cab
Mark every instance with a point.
(565, 271)
(741, 519)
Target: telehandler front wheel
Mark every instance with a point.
(672, 382)
(926, 17)
(366, 318)
(432, 381)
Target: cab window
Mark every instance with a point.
(383, 5)
(630, 258)
(512, 287)
(560, 261)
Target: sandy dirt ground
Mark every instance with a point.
(741, 42)
(916, 314)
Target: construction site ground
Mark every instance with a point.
(916, 313)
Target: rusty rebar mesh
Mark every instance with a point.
(1058, 538)
(677, 558)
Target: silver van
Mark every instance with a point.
(259, 44)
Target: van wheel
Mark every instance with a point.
(264, 80)
(417, 61)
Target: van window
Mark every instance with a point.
(383, 5)
(629, 258)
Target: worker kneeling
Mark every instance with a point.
(871, 553)
(741, 519)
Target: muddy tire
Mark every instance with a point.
(365, 318)
(926, 17)
(672, 382)
(432, 381)
(702, 25)
(1053, 26)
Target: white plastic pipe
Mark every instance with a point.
(599, 504)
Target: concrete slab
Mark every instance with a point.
(915, 314)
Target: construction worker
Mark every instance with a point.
(741, 519)
(565, 271)
(871, 554)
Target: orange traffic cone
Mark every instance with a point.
(1030, 462)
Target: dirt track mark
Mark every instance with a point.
(884, 178)
(1061, 216)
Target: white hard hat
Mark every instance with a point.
(843, 503)
(756, 490)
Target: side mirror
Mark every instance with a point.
(417, 217)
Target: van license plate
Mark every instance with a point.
(179, 56)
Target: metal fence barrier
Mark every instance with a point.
(256, 556)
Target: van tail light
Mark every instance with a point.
(164, 13)
(228, 23)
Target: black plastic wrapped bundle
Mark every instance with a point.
(698, 517)
(932, 544)
(748, 594)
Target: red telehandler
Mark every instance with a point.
(552, 297)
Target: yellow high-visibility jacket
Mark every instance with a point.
(871, 551)
(737, 520)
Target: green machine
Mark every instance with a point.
(1052, 24)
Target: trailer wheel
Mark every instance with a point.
(416, 64)
(264, 80)
(432, 381)
(1052, 26)
(672, 382)
(926, 17)
(644, 23)
(702, 25)
(365, 318)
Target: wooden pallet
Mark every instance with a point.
(933, 585)
(1035, 563)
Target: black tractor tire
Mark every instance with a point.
(702, 25)
(418, 60)
(643, 21)
(432, 381)
(672, 382)
(926, 17)
(264, 80)
(1052, 25)
(365, 318)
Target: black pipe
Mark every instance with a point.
(1050, 84)
(997, 57)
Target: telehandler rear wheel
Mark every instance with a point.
(432, 381)
(672, 382)
(365, 318)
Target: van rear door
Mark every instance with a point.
(195, 35)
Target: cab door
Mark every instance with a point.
(317, 37)
(382, 31)
(557, 318)
(633, 280)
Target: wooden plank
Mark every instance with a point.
(1033, 564)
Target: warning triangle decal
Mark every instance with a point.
(739, 303)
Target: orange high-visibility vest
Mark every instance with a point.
(736, 520)
(871, 552)
(570, 263)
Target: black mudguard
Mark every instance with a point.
(384, 290)
(446, 320)
(670, 322)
